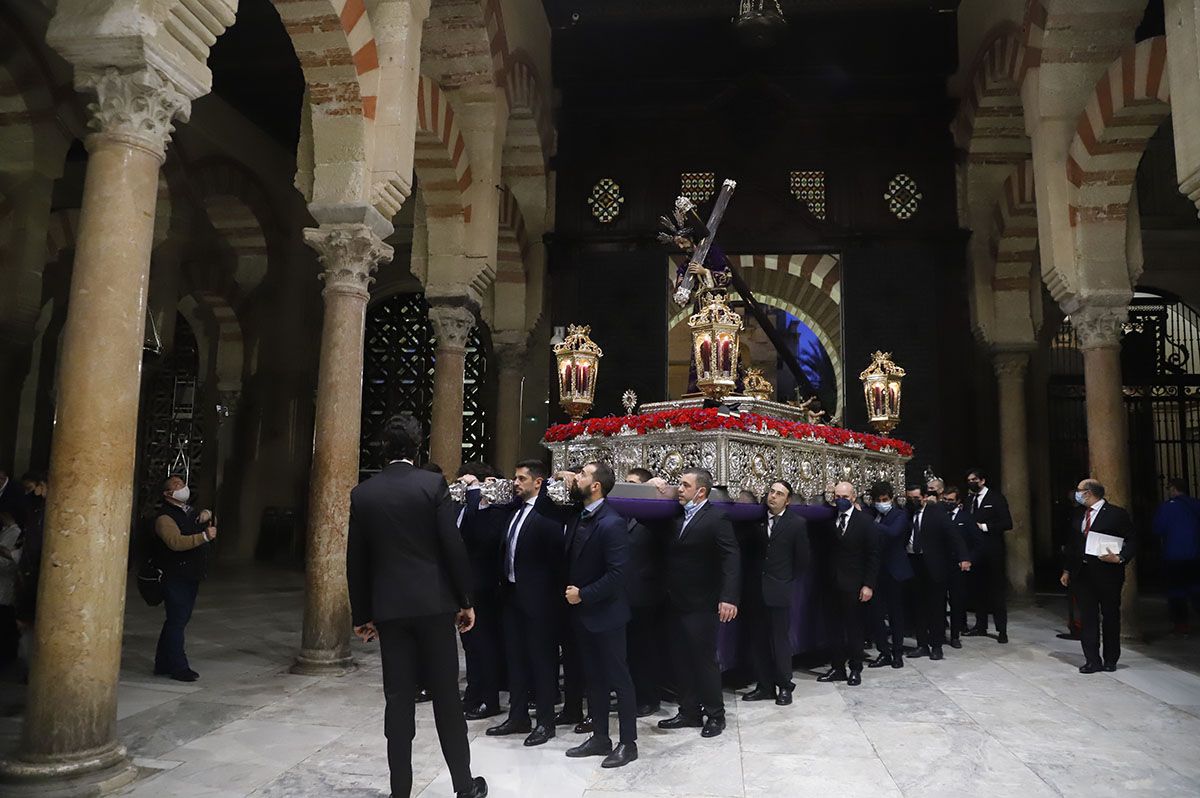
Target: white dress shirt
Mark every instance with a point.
(524, 511)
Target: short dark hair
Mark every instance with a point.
(434, 467)
(536, 468)
(477, 469)
(951, 489)
(603, 474)
(882, 488)
(401, 437)
(1178, 484)
(979, 473)
(911, 487)
(703, 477)
(786, 486)
(644, 474)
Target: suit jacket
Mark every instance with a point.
(938, 542)
(893, 537)
(404, 556)
(703, 562)
(539, 559)
(776, 562)
(483, 533)
(856, 553)
(1111, 520)
(647, 555)
(597, 549)
(993, 511)
(964, 525)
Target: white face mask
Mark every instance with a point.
(883, 507)
(182, 495)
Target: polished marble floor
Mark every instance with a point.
(989, 720)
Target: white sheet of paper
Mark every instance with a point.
(1098, 544)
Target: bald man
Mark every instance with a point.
(855, 560)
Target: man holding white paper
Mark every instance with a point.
(1097, 553)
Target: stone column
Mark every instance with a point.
(70, 722)
(349, 254)
(510, 349)
(1010, 369)
(452, 324)
(1098, 330)
(1183, 69)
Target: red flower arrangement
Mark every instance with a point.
(701, 419)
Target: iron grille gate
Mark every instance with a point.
(1159, 353)
(398, 360)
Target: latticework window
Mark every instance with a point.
(903, 198)
(398, 361)
(606, 200)
(808, 186)
(698, 186)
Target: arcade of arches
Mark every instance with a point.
(235, 236)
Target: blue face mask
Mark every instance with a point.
(883, 507)
(1079, 497)
(842, 504)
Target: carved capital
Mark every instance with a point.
(1099, 326)
(138, 108)
(1010, 365)
(350, 254)
(452, 326)
(511, 351)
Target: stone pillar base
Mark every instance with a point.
(320, 662)
(89, 773)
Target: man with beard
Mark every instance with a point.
(597, 548)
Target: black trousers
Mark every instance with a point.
(179, 599)
(602, 655)
(573, 675)
(846, 629)
(422, 651)
(10, 635)
(772, 646)
(644, 646)
(483, 647)
(929, 603)
(1097, 587)
(531, 646)
(1183, 586)
(957, 590)
(993, 583)
(694, 654)
(888, 604)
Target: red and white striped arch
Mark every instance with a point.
(1014, 239)
(230, 342)
(440, 158)
(336, 48)
(990, 124)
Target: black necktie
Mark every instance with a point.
(770, 527)
(841, 524)
(510, 554)
(975, 505)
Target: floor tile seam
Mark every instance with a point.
(879, 757)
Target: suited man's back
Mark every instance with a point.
(647, 551)
(405, 557)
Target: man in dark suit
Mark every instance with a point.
(703, 587)
(989, 511)
(855, 568)
(597, 548)
(969, 534)
(410, 585)
(647, 593)
(483, 646)
(1097, 578)
(531, 592)
(780, 557)
(895, 571)
(933, 547)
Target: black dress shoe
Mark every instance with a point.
(833, 675)
(185, 675)
(713, 727)
(681, 721)
(759, 694)
(921, 651)
(784, 698)
(854, 679)
(975, 631)
(423, 696)
(540, 734)
(955, 643)
(584, 726)
(622, 755)
(1107, 668)
(645, 710)
(936, 653)
(482, 711)
(1002, 637)
(897, 662)
(592, 746)
(1090, 667)
(882, 661)
(510, 726)
(567, 719)
(478, 789)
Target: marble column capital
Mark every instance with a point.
(137, 108)
(511, 351)
(1099, 326)
(452, 325)
(1010, 364)
(350, 254)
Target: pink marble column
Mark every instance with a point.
(71, 716)
(1010, 369)
(511, 354)
(349, 253)
(452, 325)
